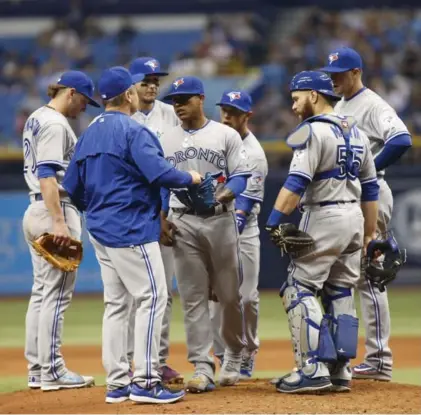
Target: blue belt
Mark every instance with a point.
(335, 202)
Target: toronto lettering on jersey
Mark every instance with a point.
(191, 153)
(33, 125)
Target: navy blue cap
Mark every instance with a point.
(81, 83)
(114, 81)
(342, 60)
(237, 99)
(313, 81)
(187, 85)
(146, 66)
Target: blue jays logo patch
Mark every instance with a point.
(153, 64)
(234, 95)
(178, 82)
(333, 57)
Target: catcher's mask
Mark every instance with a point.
(383, 260)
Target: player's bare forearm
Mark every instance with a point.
(50, 195)
(370, 213)
(226, 195)
(286, 201)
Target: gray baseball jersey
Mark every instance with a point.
(381, 124)
(249, 251)
(160, 118)
(323, 153)
(47, 140)
(207, 251)
(374, 116)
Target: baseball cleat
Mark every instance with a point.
(69, 380)
(365, 371)
(118, 395)
(200, 383)
(34, 380)
(247, 366)
(170, 376)
(230, 372)
(340, 385)
(274, 381)
(157, 394)
(297, 382)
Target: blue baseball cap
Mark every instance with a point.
(146, 66)
(313, 81)
(237, 99)
(342, 60)
(81, 83)
(114, 81)
(186, 85)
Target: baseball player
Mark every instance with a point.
(206, 251)
(236, 109)
(331, 171)
(115, 177)
(157, 116)
(48, 145)
(389, 139)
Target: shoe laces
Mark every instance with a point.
(247, 363)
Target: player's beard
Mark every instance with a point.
(307, 111)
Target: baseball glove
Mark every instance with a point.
(289, 239)
(383, 261)
(66, 258)
(199, 198)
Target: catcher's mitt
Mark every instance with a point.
(289, 239)
(383, 260)
(199, 198)
(66, 258)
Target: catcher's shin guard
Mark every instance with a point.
(339, 306)
(306, 327)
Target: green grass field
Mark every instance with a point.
(84, 317)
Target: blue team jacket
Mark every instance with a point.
(111, 177)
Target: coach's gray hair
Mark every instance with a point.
(119, 100)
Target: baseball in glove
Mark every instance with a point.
(199, 198)
(289, 239)
(66, 258)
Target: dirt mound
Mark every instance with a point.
(255, 396)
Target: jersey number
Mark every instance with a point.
(30, 162)
(349, 167)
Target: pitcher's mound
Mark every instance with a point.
(255, 396)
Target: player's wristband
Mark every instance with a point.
(241, 222)
(275, 218)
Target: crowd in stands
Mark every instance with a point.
(389, 42)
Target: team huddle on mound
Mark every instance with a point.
(165, 191)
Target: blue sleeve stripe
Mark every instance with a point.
(370, 192)
(397, 135)
(368, 180)
(46, 171)
(241, 173)
(256, 199)
(50, 162)
(296, 184)
(300, 173)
